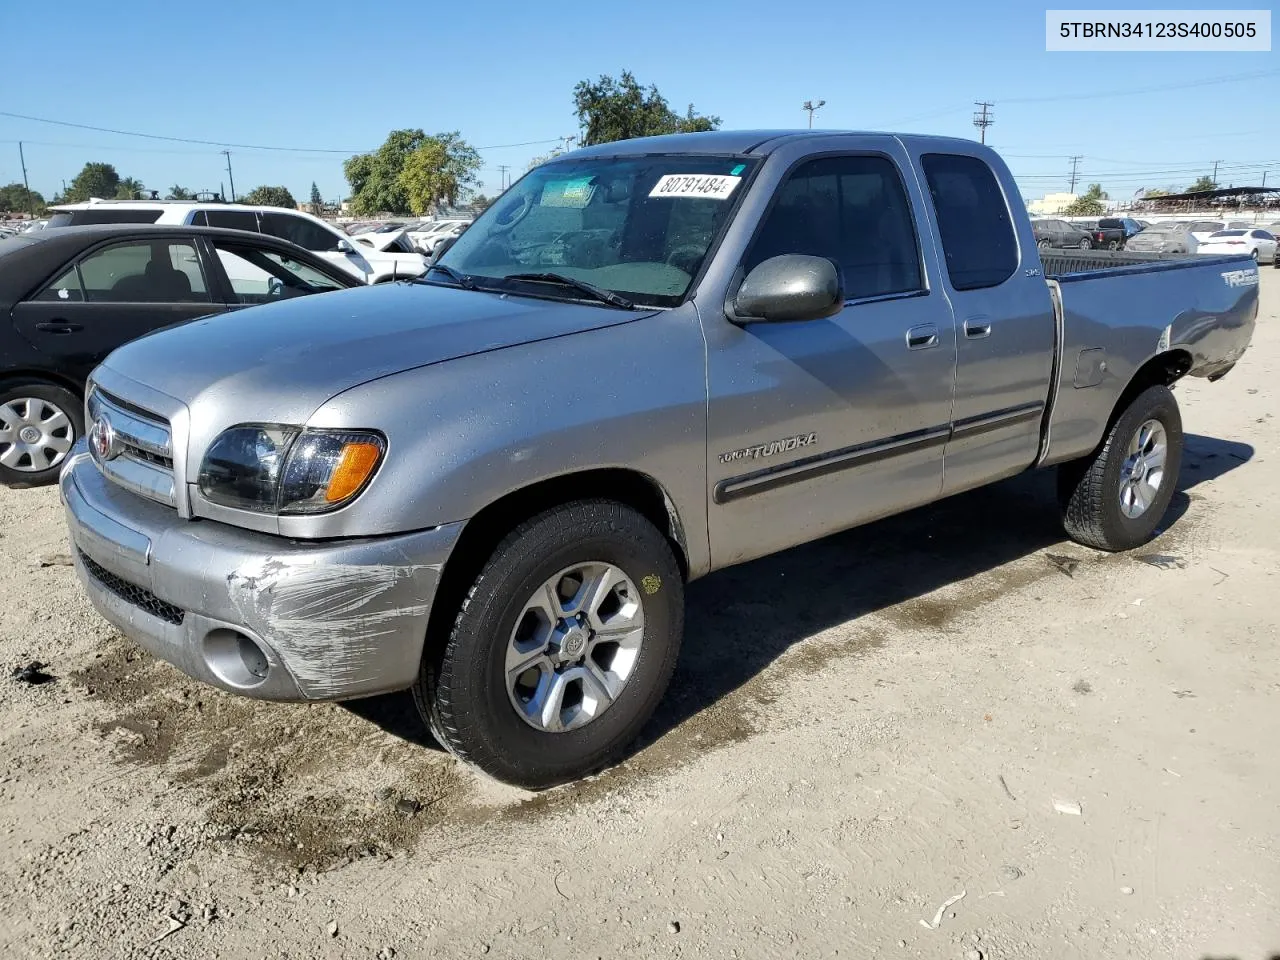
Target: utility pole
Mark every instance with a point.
(567, 141)
(502, 171)
(1215, 173)
(813, 108)
(1075, 171)
(227, 154)
(22, 158)
(982, 119)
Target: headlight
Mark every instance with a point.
(276, 468)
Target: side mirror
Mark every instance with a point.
(344, 246)
(788, 288)
(442, 247)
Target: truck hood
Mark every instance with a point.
(278, 363)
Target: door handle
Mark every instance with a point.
(922, 337)
(58, 326)
(976, 329)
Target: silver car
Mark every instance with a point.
(1167, 237)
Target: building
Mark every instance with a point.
(1050, 203)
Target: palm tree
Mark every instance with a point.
(180, 193)
(129, 189)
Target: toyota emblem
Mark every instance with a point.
(102, 438)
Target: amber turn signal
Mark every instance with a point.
(355, 464)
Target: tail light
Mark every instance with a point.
(1097, 236)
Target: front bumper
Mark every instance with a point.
(255, 614)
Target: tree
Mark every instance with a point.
(129, 189)
(94, 180)
(439, 172)
(1088, 205)
(270, 197)
(481, 203)
(317, 201)
(14, 199)
(1204, 183)
(611, 110)
(1153, 193)
(375, 177)
(179, 193)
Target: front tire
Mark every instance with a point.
(39, 424)
(1115, 498)
(1085, 244)
(561, 650)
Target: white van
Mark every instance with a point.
(308, 232)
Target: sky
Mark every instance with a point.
(337, 77)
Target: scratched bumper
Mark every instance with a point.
(323, 621)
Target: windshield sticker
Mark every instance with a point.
(568, 193)
(708, 186)
(738, 169)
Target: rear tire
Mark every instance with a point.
(39, 424)
(1085, 244)
(525, 608)
(1043, 245)
(1115, 498)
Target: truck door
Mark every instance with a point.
(1005, 320)
(816, 426)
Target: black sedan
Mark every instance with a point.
(1060, 233)
(72, 295)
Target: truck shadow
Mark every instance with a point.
(740, 620)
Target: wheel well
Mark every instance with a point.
(15, 377)
(485, 530)
(1164, 369)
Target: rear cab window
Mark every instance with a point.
(978, 239)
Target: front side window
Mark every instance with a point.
(640, 227)
(151, 271)
(299, 230)
(977, 234)
(263, 276)
(853, 211)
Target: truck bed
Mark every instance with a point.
(1117, 311)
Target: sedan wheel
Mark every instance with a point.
(1085, 243)
(39, 424)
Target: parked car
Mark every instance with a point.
(73, 295)
(389, 237)
(1202, 230)
(1259, 244)
(425, 240)
(1112, 233)
(310, 233)
(647, 360)
(1169, 236)
(1060, 233)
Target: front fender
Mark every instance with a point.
(465, 432)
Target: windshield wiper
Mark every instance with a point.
(598, 293)
(461, 279)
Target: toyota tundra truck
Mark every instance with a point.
(647, 361)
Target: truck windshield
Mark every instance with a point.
(640, 227)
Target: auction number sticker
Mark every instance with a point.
(709, 186)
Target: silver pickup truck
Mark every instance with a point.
(646, 361)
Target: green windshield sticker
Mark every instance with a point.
(568, 193)
(737, 170)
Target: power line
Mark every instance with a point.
(238, 146)
(983, 119)
(1204, 82)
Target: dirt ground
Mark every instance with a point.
(953, 703)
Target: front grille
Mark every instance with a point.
(142, 461)
(132, 593)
